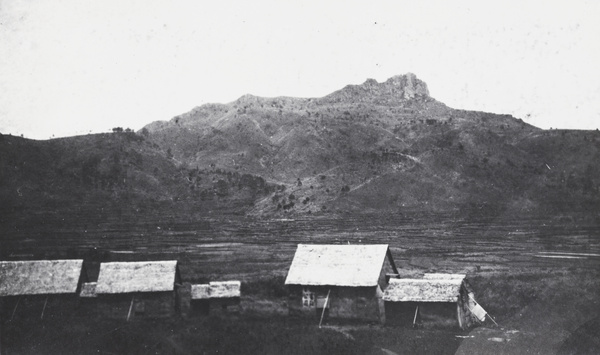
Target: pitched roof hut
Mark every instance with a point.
(439, 298)
(29, 284)
(138, 289)
(215, 296)
(340, 281)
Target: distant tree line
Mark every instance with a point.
(120, 130)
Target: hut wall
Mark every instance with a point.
(465, 302)
(204, 307)
(145, 305)
(199, 307)
(31, 306)
(88, 306)
(224, 305)
(184, 299)
(400, 313)
(430, 315)
(349, 303)
(388, 268)
(438, 314)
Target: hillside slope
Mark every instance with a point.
(375, 147)
(383, 147)
(111, 177)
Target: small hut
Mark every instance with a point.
(88, 290)
(340, 281)
(36, 286)
(436, 299)
(145, 289)
(217, 296)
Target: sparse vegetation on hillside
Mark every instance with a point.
(123, 170)
(376, 146)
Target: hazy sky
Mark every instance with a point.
(70, 67)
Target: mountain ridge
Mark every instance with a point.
(358, 137)
(374, 147)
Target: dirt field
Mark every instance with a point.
(538, 278)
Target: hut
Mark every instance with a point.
(145, 289)
(217, 296)
(436, 299)
(36, 286)
(340, 281)
(88, 290)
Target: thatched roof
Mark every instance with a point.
(201, 292)
(38, 277)
(141, 276)
(438, 276)
(337, 265)
(88, 290)
(217, 289)
(422, 290)
(225, 289)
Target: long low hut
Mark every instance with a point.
(340, 281)
(436, 299)
(145, 289)
(217, 296)
(39, 285)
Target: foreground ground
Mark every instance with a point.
(539, 279)
(241, 334)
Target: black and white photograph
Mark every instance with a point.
(299, 177)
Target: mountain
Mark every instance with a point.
(375, 147)
(385, 147)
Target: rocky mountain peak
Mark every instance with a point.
(408, 86)
(399, 87)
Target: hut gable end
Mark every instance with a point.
(39, 277)
(128, 277)
(389, 268)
